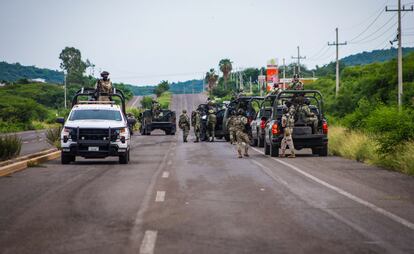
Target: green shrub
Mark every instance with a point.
(53, 136)
(146, 102)
(391, 128)
(10, 146)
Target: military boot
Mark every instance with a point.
(282, 155)
(246, 154)
(292, 155)
(240, 153)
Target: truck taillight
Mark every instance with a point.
(325, 128)
(275, 129)
(263, 124)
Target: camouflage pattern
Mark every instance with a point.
(288, 122)
(196, 123)
(297, 85)
(156, 108)
(308, 117)
(184, 124)
(242, 137)
(211, 125)
(103, 86)
(231, 128)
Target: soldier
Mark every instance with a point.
(230, 127)
(156, 108)
(308, 116)
(287, 124)
(242, 137)
(103, 85)
(275, 89)
(196, 123)
(296, 84)
(184, 124)
(211, 125)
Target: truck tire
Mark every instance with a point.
(267, 148)
(323, 151)
(66, 158)
(167, 132)
(253, 142)
(124, 159)
(274, 151)
(227, 138)
(260, 142)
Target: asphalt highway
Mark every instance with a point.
(178, 197)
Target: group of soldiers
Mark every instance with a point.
(236, 125)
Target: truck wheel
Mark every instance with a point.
(227, 138)
(124, 159)
(274, 151)
(260, 142)
(168, 132)
(323, 151)
(66, 158)
(267, 148)
(253, 142)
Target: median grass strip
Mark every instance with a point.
(362, 147)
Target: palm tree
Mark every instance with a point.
(225, 67)
(211, 79)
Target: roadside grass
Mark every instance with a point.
(165, 100)
(361, 147)
(10, 146)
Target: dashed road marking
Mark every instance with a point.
(160, 196)
(165, 174)
(338, 190)
(148, 243)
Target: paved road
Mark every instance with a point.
(199, 198)
(136, 101)
(33, 141)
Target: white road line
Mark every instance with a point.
(375, 208)
(160, 196)
(148, 243)
(165, 174)
(270, 173)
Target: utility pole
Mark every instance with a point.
(400, 63)
(284, 74)
(250, 83)
(64, 85)
(299, 57)
(337, 44)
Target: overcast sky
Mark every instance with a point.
(142, 42)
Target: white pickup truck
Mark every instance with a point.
(95, 130)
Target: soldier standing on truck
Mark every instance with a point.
(156, 108)
(196, 123)
(288, 123)
(296, 84)
(184, 124)
(231, 128)
(103, 85)
(211, 125)
(242, 137)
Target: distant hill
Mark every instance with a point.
(14, 72)
(373, 56)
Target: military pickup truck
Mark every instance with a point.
(96, 129)
(164, 120)
(303, 135)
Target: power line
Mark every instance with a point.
(376, 31)
(368, 27)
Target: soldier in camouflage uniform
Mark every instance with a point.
(230, 127)
(275, 89)
(196, 123)
(103, 85)
(242, 137)
(184, 124)
(288, 123)
(155, 108)
(308, 116)
(211, 125)
(296, 84)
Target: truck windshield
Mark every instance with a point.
(95, 114)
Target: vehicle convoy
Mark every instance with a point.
(163, 119)
(250, 105)
(303, 134)
(258, 124)
(96, 129)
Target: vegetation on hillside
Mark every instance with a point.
(14, 72)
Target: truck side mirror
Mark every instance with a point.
(60, 120)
